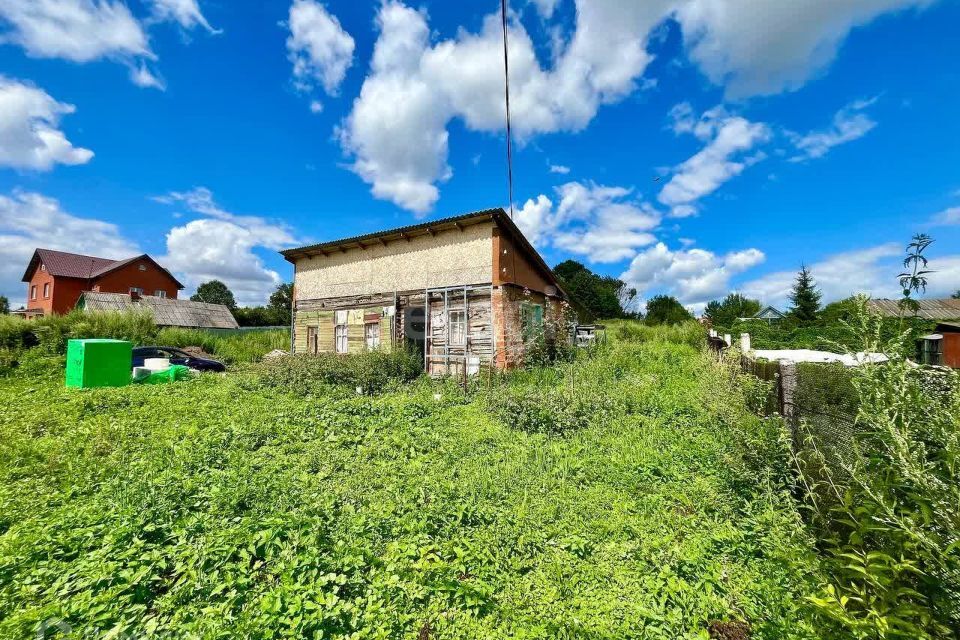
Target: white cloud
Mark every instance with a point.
(209, 249)
(947, 216)
(559, 168)
(849, 124)
(320, 50)
(186, 13)
(602, 223)
(31, 220)
(694, 276)
(871, 271)
(29, 133)
(316, 106)
(87, 30)
(762, 48)
(397, 130)
(396, 134)
(728, 138)
(545, 7)
(221, 246)
(77, 30)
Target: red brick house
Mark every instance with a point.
(55, 279)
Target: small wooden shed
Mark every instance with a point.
(942, 347)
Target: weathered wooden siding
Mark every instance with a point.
(449, 359)
(448, 258)
(357, 320)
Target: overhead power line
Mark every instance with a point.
(506, 88)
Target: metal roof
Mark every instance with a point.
(62, 264)
(399, 233)
(65, 265)
(931, 309)
(166, 312)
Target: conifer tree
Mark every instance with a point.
(805, 297)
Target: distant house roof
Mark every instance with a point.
(931, 309)
(166, 311)
(73, 265)
(770, 313)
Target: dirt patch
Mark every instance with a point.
(198, 352)
(720, 630)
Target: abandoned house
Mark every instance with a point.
(487, 290)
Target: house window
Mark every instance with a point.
(46, 289)
(340, 336)
(531, 320)
(43, 267)
(142, 267)
(160, 293)
(931, 351)
(372, 334)
(33, 292)
(458, 328)
(136, 290)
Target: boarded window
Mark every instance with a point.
(312, 340)
(531, 320)
(457, 324)
(340, 337)
(373, 336)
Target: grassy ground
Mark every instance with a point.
(226, 508)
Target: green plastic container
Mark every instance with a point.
(98, 363)
(174, 374)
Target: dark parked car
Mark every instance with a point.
(176, 357)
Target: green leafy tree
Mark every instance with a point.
(805, 298)
(956, 296)
(914, 279)
(723, 313)
(281, 303)
(600, 296)
(215, 292)
(666, 310)
(4, 305)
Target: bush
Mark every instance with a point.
(550, 411)
(371, 372)
(890, 531)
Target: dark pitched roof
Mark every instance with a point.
(73, 265)
(65, 265)
(167, 312)
(930, 309)
(122, 263)
(497, 215)
(769, 312)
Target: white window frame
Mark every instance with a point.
(371, 334)
(33, 292)
(136, 290)
(341, 338)
(46, 290)
(457, 325)
(160, 293)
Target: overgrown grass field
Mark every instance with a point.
(627, 494)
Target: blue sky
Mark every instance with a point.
(692, 147)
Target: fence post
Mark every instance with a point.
(745, 342)
(788, 388)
